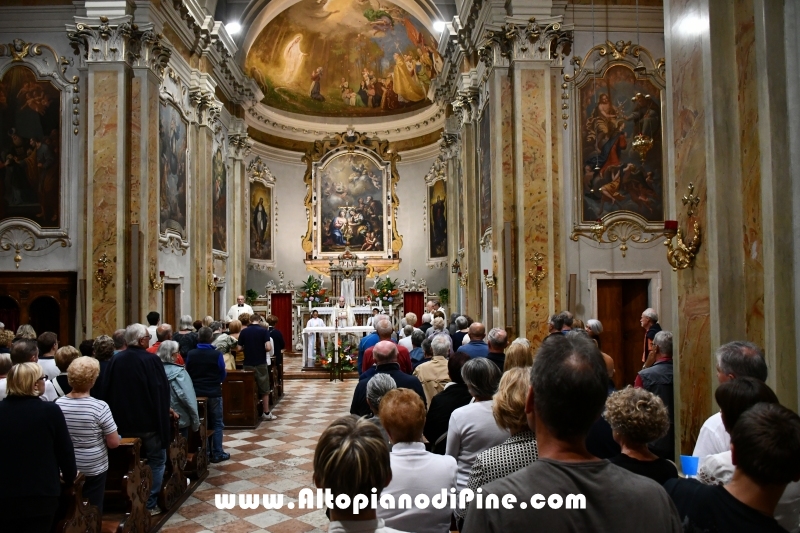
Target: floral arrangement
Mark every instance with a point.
(348, 354)
(311, 291)
(385, 290)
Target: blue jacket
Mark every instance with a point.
(206, 366)
(182, 398)
(359, 405)
(475, 349)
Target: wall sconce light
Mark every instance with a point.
(212, 282)
(537, 274)
(455, 267)
(101, 277)
(462, 279)
(682, 255)
(155, 284)
(490, 280)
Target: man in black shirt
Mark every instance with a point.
(255, 341)
(765, 448)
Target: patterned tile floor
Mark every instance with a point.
(275, 458)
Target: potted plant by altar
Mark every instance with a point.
(385, 291)
(312, 293)
(348, 354)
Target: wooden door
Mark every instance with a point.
(620, 303)
(281, 307)
(171, 292)
(45, 300)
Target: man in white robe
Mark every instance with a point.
(342, 316)
(239, 308)
(311, 351)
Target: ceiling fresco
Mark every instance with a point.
(349, 58)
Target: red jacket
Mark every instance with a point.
(403, 359)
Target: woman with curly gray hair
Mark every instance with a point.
(637, 417)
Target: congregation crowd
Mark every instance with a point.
(62, 408)
(443, 407)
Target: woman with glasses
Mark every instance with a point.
(36, 451)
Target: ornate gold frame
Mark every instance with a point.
(618, 226)
(352, 142)
(259, 172)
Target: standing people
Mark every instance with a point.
(658, 380)
(649, 322)
(255, 341)
(91, 427)
(206, 367)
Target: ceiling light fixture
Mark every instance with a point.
(233, 28)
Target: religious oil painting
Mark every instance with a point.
(614, 109)
(260, 221)
(172, 136)
(344, 58)
(220, 199)
(437, 219)
(30, 148)
(485, 189)
(352, 190)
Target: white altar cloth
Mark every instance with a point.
(309, 354)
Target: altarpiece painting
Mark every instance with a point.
(172, 131)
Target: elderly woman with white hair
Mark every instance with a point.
(377, 387)
(594, 328)
(186, 337)
(472, 428)
(438, 327)
(182, 398)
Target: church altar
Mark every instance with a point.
(309, 349)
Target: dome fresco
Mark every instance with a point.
(359, 58)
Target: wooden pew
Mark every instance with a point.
(127, 488)
(174, 483)
(239, 400)
(197, 444)
(74, 514)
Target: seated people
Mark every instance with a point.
(519, 450)
(403, 416)
(518, 355)
(351, 458)
(384, 330)
(385, 353)
(36, 446)
(765, 450)
(377, 387)
(135, 373)
(455, 395)
(734, 398)
(182, 397)
(64, 357)
(418, 353)
(638, 417)
(568, 391)
(462, 328)
(433, 374)
(206, 367)
(91, 427)
(472, 428)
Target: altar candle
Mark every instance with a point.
(671, 225)
(161, 273)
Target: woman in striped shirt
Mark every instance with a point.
(91, 427)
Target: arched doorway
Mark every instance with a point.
(45, 315)
(9, 313)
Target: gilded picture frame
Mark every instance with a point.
(262, 215)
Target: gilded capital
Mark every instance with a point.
(104, 39)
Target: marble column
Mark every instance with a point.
(104, 45)
(148, 70)
(239, 241)
(733, 151)
(201, 93)
(472, 280)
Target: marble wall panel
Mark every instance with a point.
(104, 204)
(751, 170)
(559, 237)
(689, 144)
(136, 140)
(152, 213)
(534, 146)
(507, 148)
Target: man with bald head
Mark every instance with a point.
(476, 347)
(384, 330)
(385, 354)
(239, 308)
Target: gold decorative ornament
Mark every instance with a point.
(621, 230)
(690, 200)
(155, 284)
(682, 255)
(642, 144)
(211, 281)
(538, 274)
(102, 277)
(489, 279)
(462, 279)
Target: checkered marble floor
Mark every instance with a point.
(275, 458)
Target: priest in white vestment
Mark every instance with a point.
(239, 308)
(314, 322)
(342, 316)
